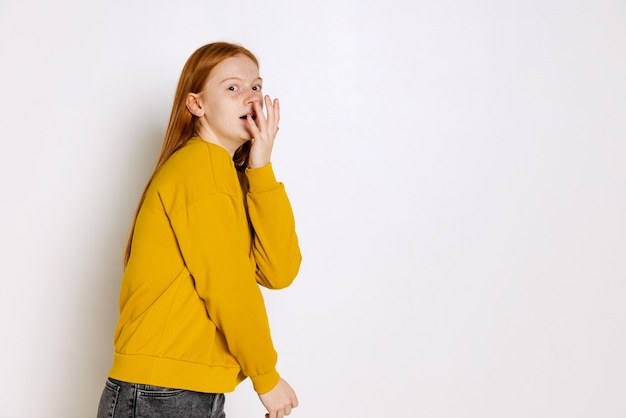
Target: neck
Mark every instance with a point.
(208, 136)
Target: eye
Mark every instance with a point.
(233, 88)
(256, 88)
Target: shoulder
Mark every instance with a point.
(196, 170)
(192, 163)
(190, 158)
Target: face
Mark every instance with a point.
(228, 97)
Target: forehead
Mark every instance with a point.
(238, 66)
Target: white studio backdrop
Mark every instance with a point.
(456, 169)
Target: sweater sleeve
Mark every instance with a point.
(209, 234)
(275, 247)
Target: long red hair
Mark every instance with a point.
(183, 125)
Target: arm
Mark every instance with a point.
(275, 247)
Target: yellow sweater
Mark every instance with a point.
(192, 314)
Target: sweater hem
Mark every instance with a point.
(175, 373)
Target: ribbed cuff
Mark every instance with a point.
(261, 179)
(265, 382)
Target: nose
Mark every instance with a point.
(252, 97)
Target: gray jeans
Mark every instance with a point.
(131, 400)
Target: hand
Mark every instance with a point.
(279, 401)
(263, 131)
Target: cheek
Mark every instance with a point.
(229, 106)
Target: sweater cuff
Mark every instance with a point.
(261, 179)
(265, 382)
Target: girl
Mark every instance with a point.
(213, 223)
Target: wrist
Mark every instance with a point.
(261, 179)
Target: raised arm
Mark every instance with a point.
(275, 246)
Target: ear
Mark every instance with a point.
(194, 105)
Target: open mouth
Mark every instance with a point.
(246, 116)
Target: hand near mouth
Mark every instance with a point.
(263, 130)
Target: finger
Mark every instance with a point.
(294, 401)
(254, 130)
(273, 115)
(287, 410)
(269, 109)
(276, 113)
(260, 117)
(279, 414)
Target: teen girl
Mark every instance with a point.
(212, 225)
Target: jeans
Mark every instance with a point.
(131, 400)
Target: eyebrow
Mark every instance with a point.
(239, 79)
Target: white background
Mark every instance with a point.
(457, 170)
